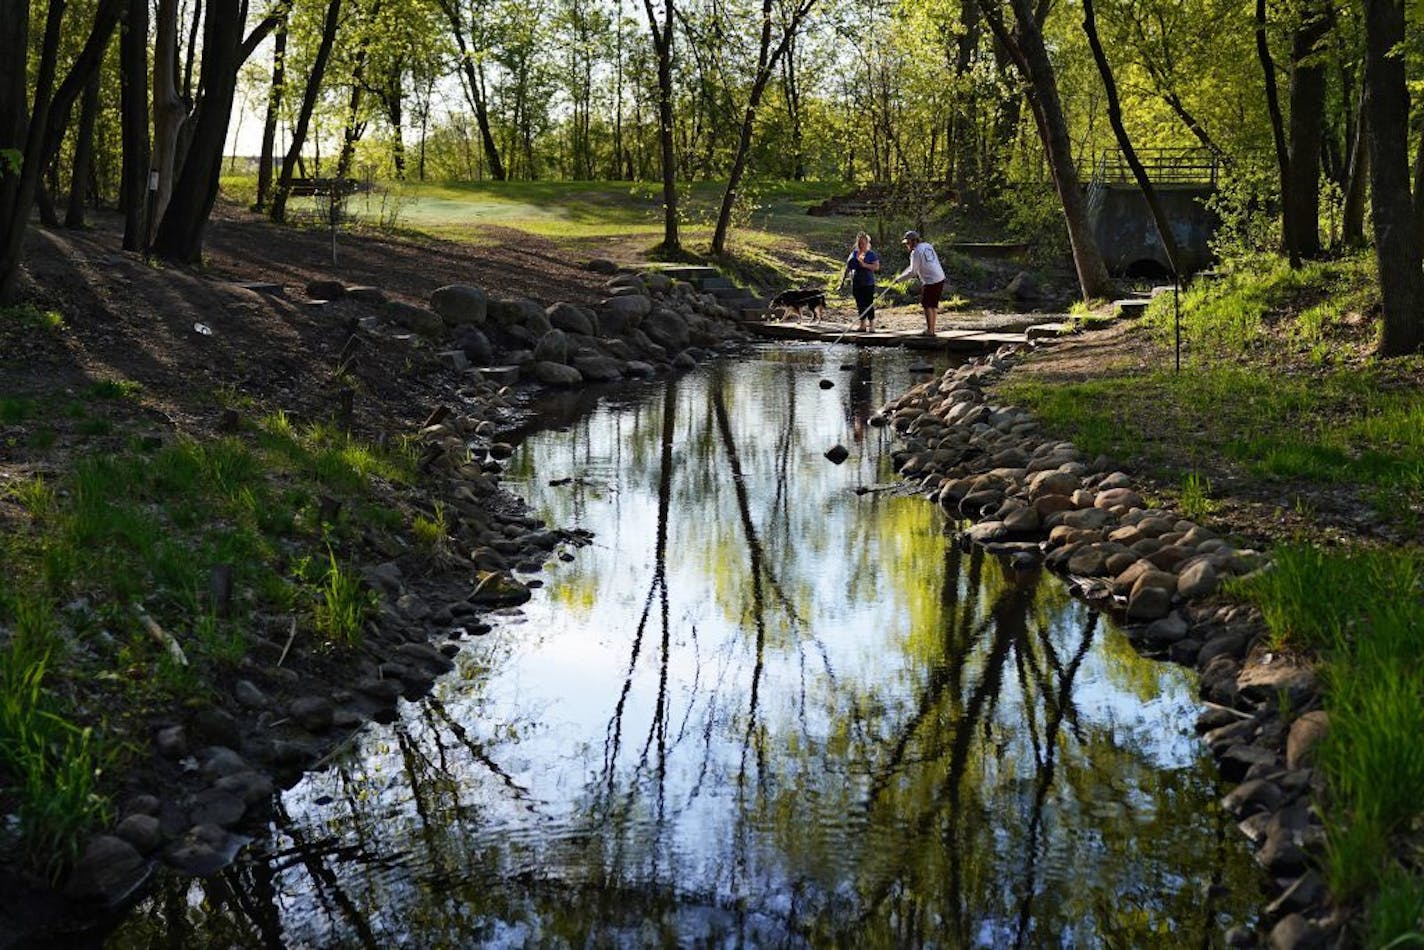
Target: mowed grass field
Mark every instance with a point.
(622, 220)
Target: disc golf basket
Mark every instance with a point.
(331, 195)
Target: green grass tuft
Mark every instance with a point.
(345, 603)
(1362, 611)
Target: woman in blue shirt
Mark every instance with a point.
(862, 266)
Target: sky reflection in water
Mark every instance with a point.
(760, 708)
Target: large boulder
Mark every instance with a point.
(416, 319)
(476, 345)
(598, 369)
(326, 290)
(631, 306)
(553, 347)
(556, 374)
(1023, 287)
(517, 312)
(460, 305)
(108, 870)
(616, 322)
(666, 328)
(571, 319)
(601, 265)
(627, 280)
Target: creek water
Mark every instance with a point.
(761, 708)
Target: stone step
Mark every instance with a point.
(712, 283)
(1048, 331)
(261, 287)
(1131, 306)
(1162, 289)
(501, 375)
(731, 293)
(686, 272)
(757, 314)
(366, 294)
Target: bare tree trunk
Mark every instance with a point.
(1397, 245)
(304, 113)
(1026, 47)
(767, 59)
(26, 141)
(662, 45)
(192, 57)
(169, 115)
(474, 87)
(23, 141)
(1124, 143)
(180, 233)
(133, 56)
(791, 89)
(1300, 189)
(1273, 108)
(1419, 183)
(269, 123)
(82, 172)
(1353, 228)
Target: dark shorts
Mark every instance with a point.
(930, 293)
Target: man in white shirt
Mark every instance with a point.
(924, 265)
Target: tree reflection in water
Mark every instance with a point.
(761, 709)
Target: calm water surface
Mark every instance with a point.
(760, 709)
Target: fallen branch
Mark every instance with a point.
(163, 637)
(290, 637)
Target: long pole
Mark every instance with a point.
(1177, 314)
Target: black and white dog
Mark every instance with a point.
(802, 302)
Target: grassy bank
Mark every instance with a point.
(108, 609)
(1280, 399)
(774, 241)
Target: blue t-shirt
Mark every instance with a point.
(862, 276)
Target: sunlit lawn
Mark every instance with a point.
(624, 217)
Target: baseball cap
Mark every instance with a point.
(911, 236)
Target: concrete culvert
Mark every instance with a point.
(1148, 268)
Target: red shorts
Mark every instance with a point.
(930, 293)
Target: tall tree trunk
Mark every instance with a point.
(791, 89)
(1273, 109)
(395, 113)
(169, 114)
(1353, 227)
(1026, 46)
(662, 46)
(1300, 189)
(767, 59)
(44, 194)
(1397, 245)
(269, 123)
(192, 57)
(23, 141)
(133, 57)
(180, 235)
(1124, 143)
(304, 112)
(474, 86)
(1419, 183)
(82, 170)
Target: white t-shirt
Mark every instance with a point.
(924, 264)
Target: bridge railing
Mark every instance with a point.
(1164, 166)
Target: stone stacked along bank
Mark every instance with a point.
(1037, 500)
(647, 324)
